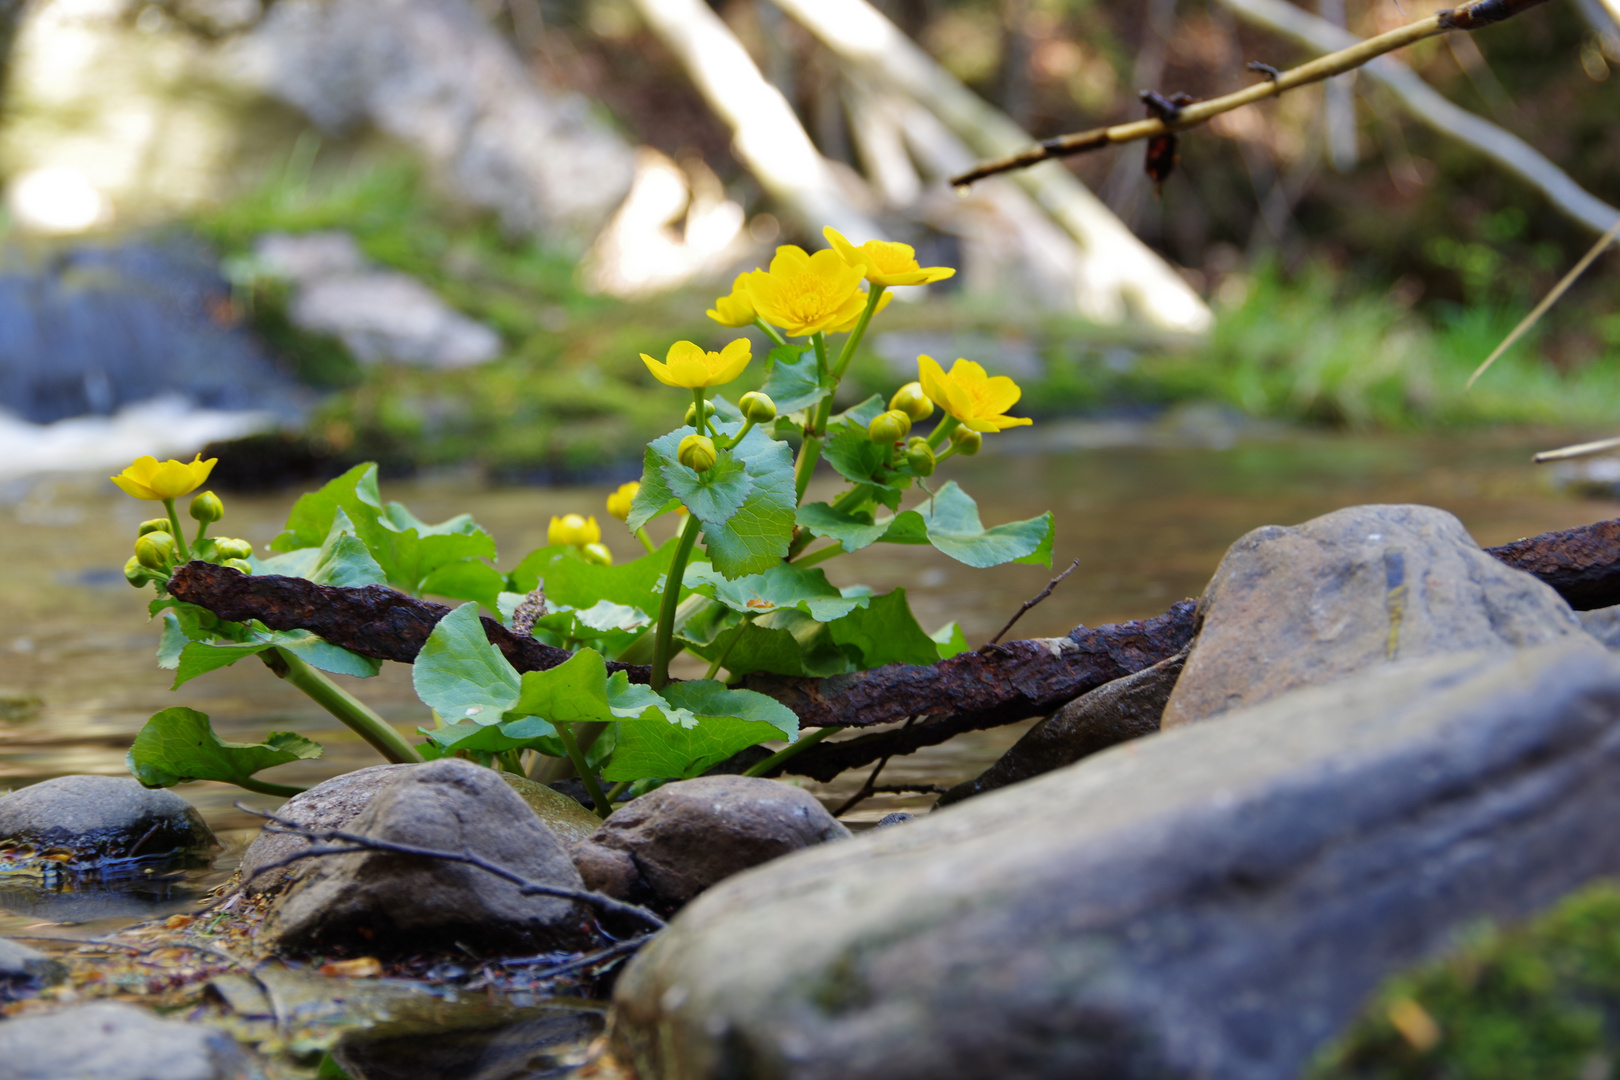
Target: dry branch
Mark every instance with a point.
(1345, 52)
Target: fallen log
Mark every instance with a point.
(1582, 564)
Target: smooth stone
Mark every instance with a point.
(382, 902)
(1115, 712)
(1603, 624)
(115, 1042)
(100, 817)
(669, 845)
(24, 970)
(335, 803)
(1350, 591)
(1214, 901)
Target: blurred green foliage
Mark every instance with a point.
(1541, 1001)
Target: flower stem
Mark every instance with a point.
(847, 353)
(565, 732)
(769, 331)
(618, 789)
(341, 704)
(265, 787)
(672, 599)
(820, 555)
(697, 398)
(942, 431)
(805, 742)
(815, 427)
(174, 530)
(646, 541)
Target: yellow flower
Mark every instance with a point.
(883, 302)
(807, 294)
(970, 395)
(687, 365)
(149, 479)
(736, 309)
(574, 531)
(885, 262)
(618, 503)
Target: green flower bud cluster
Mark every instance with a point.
(691, 412)
(889, 427)
(157, 551)
(207, 508)
(911, 400)
(697, 453)
(920, 456)
(966, 441)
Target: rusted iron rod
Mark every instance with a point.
(1582, 564)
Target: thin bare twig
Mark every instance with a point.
(1579, 450)
(622, 948)
(1468, 16)
(1547, 302)
(866, 790)
(1032, 601)
(358, 842)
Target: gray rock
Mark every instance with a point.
(434, 75)
(1113, 713)
(24, 970)
(383, 902)
(335, 804)
(1213, 901)
(1603, 624)
(1349, 591)
(99, 817)
(115, 1042)
(671, 844)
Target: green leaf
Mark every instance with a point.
(885, 632)
(530, 733)
(200, 657)
(466, 579)
(792, 381)
(310, 520)
(317, 652)
(950, 640)
(178, 745)
(782, 586)
(863, 414)
(715, 495)
(953, 524)
(756, 537)
(784, 642)
(572, 581)
(655, 497)
(851, 451)
(574, 691)
(460, 675)
(722, 722)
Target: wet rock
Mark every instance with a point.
(24, 971)
(1350, 591)
(1113, 713)
(664, 848)
(115, 1042)
(888, 821)
(383, 902)
(1603, 624)
(1213, 901)
(547, 1045)
(337, 802)
(94, 818)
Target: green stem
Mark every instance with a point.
(940, 459)
(697, 398)
(511, 762)
(341, 704)
(618, 789)
(646, 541)
(851, 500)
(672, 599)
(820, 555)
(174, 530)
(202, 532)
(265, 787)
(847, 353)
(748, 425)
(942, 431)
(815, 427)
(769, 331)
(592, 788)
(805, 742)
(721, 659)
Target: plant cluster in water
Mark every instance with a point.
(738, 585)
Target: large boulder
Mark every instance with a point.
(664, 848)
(89, 819)
(115, 1042)
(336, 803)
(1113, 713)
(1352, 590)
(383, 902)
(1213, 901)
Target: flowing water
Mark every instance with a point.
(1148, 520)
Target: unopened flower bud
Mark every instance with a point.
(573, 530)
(967, 441)
(151, 525)
(889, 427)
(911, 400)
(239, 564)
(697, 453)
(691, 412)
(598, 554)
(135, 573)
(154, 550)
(207, 508)
(920, 456)
(757, 407)
(618, 503)
(226, 548)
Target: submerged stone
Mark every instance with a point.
(78, 820)
(24, 971)
(380, 902)
(115, 1042)
(1213, 901)
(671, 844)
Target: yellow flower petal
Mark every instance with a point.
(806, 294)
(969, 394)
(886, 262)
(147, 478)
(732, 359)
(737, 309)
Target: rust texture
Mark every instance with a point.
(373, 621)
(1582, 564)
(1480, 13)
